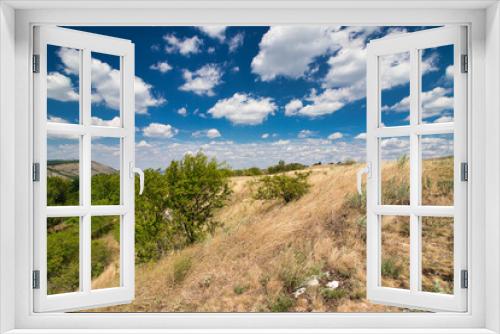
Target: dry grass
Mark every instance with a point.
(265, 250)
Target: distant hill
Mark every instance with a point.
(70, 168)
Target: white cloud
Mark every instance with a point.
(210, 133)
(115, 122)
(306, 133)
(235, 69)
(236, 41)
(289, 50)
(265, 136)
(335, 136)
(57, 119)
(281, 142)
(60, 88)
(293, 107)
(106, 83)
(185, 46)
(161, 66)
(243, 109)
(435, 102)
(158, 130)
(182, 111)
(202, 81)
(361, 136)
(216, 32)
(143, 144)
(449, 72)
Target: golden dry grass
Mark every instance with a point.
(265, 250)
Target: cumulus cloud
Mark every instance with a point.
(216, 32)
(184, 46)
(202, 81)
(361, 136)
(161, 66)
(106, 83)
(57, 119)
(182, 111)
(158, 130)
(115, 122)
(435, 102)
(143, 144)
(289, 50)
(60, 88)
(260, 154)
(335, 136)
(235, 42)
(243, 109)
(264, 136)
(210, 133)
(306, 133)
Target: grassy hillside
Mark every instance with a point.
(271, 256)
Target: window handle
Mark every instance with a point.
(359, 176)
(134, 170)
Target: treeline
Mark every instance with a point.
(281, 167)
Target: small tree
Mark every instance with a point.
(284, 187)
(196, 186)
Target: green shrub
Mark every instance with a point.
(390, 268)
(333, 294)
(239, 289)
(196, 187)
(282, 187)
(282, 303)
(284, 167)
(181, 268)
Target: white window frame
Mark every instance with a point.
(16, 21)
(413, 44)
(85, 43)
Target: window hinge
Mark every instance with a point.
(36, 63)
(464, 171)
(36, 172)
(465, 63)
(36, 279)
(464, 279)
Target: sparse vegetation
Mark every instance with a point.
(265, 252)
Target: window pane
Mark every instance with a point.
(395, 89)
(105, 252)
(106, 171)
(106, 90)
(63, 170)
(437, 254)
(436, 99)
(437, 169)
(395, 265)
(395, 170)
(63, 253)
(63, 84)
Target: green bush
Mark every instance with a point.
(284, 167)
(182, 266)
(282, 303)
(282, 187)
(390, 268)
(196, 187)
(239, 289)
(333, 294)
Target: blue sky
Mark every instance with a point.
(249, 96)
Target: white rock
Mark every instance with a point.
(299, 292)
(332, 284)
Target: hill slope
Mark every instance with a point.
(266, 251)
(70, 168)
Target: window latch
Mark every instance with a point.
(465, 64)
(464, 172)
(464, 279)
(36, 279)
(36, 172)
(36, 63)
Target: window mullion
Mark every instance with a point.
(414, 171)
(86, 174)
